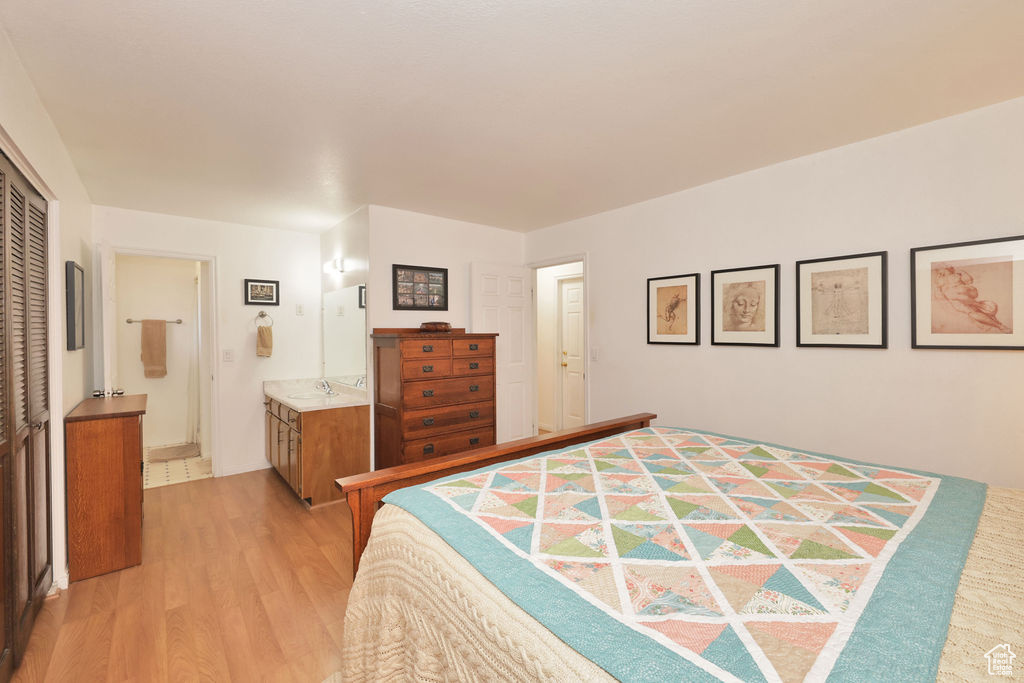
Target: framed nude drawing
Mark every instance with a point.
(745, 306)
(968, 295)
(673, 309)
(842, 301)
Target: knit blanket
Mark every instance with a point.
(675, 554)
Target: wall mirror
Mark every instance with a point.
(345, 336)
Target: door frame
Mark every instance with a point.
(534, 266)
(57, 345)
(210, 298)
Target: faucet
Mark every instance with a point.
(324, 386)
(361, 382)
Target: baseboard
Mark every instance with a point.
(245, 467)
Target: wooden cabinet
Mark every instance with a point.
(433, 394)
(103, 438)
(311, 449)
(27, 570)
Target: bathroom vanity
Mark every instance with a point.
(313, 438)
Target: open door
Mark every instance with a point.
(501, 301)
(573, 392)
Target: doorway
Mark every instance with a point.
(160, 348)
(561, 347)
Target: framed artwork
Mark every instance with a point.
(419, 288)
(842, 301)
(74, 279)
(745, 306)
(362, 296)
(262, 292)
(673, 309)
(968, 295)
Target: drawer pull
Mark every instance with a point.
(474, 366)
(428, 348)
(428, 368)
(474, 441)
(473, 414)
(474, 387)
(474, 347)
(427, 421)
(427, 393)
(428, 449)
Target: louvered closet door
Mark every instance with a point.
(28, 407)
(6, 649)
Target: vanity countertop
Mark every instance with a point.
(298, 394)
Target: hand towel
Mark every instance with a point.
(264, 341)
(154, 348)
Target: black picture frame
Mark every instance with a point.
(665, 314)
(846, 306)
(261, 292)
(764, 322)
(968, 295)
(362, 296)
(74, 283)
(419, 288)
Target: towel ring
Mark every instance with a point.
(264, 314)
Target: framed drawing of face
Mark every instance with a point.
(842, 301)
(968, 295)
(745, 306)
(673, 309)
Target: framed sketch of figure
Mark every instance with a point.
(968, 295)
(673, 309)
(745, 306)
(842, 301)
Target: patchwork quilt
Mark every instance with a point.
(669, 554)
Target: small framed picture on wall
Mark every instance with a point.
(673, 309)
(745, 306)
(968, 295)
(842, 301)
(262, 292)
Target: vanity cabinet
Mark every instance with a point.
(433, 394)
(310, 449)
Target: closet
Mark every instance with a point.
(26, 563)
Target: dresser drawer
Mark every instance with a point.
(421, 449)
(426, 348)
(473, 347)
(472, 366)
(420, 423)
(439, 392)
(425, 368)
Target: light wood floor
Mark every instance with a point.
(238, 582)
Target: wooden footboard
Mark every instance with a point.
(364, 491)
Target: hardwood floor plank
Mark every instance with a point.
(239, 581)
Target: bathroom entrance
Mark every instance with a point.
(161, 342)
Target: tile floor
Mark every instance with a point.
(173, 471)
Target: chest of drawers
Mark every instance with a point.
(433, 394)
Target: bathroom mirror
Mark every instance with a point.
(345, 336)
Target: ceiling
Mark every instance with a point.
(516, 114)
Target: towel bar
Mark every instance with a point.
(169, 322)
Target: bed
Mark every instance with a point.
(625, 551)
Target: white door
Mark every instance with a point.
(573, 380)
(501, 301)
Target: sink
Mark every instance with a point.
(310, 394)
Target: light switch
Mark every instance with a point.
(229, 355)
(341, 310)
(299, 310)
(595, 353)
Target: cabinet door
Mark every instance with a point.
(282, 450)
(294, 461)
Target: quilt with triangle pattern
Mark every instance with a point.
(668, 553)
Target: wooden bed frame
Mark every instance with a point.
(364, 491)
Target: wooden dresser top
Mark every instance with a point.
(112, 406)
(414, 333)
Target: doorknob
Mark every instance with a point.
(37, 426)
(564, 364)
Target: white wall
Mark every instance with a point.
(349, 240)
(344, 333)
(31, 141)
(163, 289)
(239, 251)
(416, 239)
(950, 411)
(548, 363)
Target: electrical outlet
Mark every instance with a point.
(299, 310)
(229, 355)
